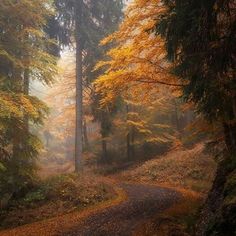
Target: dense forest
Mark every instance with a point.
(118, 117)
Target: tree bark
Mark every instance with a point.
(128, 138)
(177, 121)
(85, 135)
(128, 146)
(16, 132)
(79, 88)
(104, 150)
(26, 92)
(230, 136)
(132, 143)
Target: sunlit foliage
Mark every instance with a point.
(139, 57)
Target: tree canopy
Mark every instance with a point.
(200, 41)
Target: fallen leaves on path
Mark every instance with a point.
(118, 217)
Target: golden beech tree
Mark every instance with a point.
(137, 69)
(141, 124)
(137, 64)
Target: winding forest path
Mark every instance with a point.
(142, 202)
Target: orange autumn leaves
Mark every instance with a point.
(136, 67)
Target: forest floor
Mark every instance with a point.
(187, 171)
(136, 204)
(159, 197)
(56, 196)
(190, 169)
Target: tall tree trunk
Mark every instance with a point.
(85, 135)
(128, 138)
(26, 92)
(132, 143)
(16, 132)
(79, 88)
(128, 146)
(177, 121)
(104, 150)
(230, 128)
(230, 136)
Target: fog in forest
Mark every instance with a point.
(117, 117)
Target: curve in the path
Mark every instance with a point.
(143, 202)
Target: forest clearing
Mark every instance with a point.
(117, 117)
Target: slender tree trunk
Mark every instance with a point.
(128, 138)
(177, 117)
(104, 150)
(132, 143)
(230, 128)
(230, 136)
(85, 135)
(26, 92)
(79, 88)
(128, 146)
(233, 125)
(16, 132)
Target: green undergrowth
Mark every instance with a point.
(53, 197)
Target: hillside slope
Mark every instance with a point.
(191, 169)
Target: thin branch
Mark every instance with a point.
(158, 82)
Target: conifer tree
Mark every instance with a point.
(90, 22)
(23, 57)
(200, 40)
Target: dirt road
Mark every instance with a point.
(142, 203)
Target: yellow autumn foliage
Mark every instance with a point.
(137, 64)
